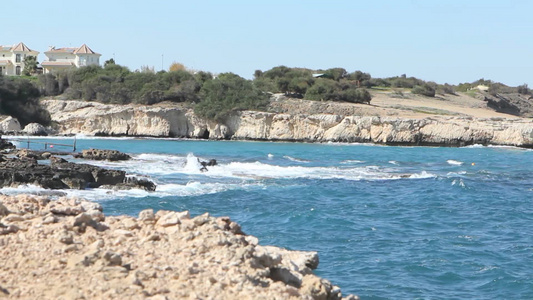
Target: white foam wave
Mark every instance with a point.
(22, 189)
(352, 161)
(260, 170)
(295, 159)
(192, 188)
(459, 182)
(393, 162)
(454, 162)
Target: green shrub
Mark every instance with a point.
(227, 93)
(323, 89)
(425, 90)
(20, 98)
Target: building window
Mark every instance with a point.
(17, 59)
(17, 69)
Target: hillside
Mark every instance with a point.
(389, 103)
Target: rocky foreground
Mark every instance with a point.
(308, 121)
(68, 249)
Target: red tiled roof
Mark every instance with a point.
(20, 47)
(84, 49)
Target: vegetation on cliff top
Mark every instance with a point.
(213, 97)
(20, 98)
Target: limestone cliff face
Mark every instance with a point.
(173, 121)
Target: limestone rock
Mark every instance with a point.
(9, 124)
(309, 121)
(35, 129)
(102, 154)
(163, 255)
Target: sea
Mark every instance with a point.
(387, 222)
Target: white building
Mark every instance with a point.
(12, 58)
(63, 58)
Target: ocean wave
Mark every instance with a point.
(352, 161)
(192, 188)
(296, 159)
(454, 162)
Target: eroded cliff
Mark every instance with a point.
(168, 120)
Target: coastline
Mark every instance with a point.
(391, 122)
(69, 248)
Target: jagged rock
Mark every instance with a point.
(35, 129)
(155, 257)
(99, 154)
(60, 174)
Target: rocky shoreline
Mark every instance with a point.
(23, 167)
(170, 120)
(68, 249)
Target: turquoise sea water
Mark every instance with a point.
(388, 222)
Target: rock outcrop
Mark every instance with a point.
(167, 120)
(35, 129)
(61, 174)
(68, 249)
(103, 154)
(9, 124)
(510, 103)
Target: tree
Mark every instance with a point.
(176, 66)
(227, 93)
(323, 89)
(20, 98)
(110, 61)
(523, 89)
(359, 77)
(148, 69)
(335, 73)
(30, 65)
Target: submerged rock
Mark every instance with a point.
(162, 255)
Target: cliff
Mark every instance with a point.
(373, 124)
(68, 249)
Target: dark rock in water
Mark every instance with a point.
(133, 183)
(60, 174)
(142, 183)
(205, 164)
(4, 144)
(98, 154)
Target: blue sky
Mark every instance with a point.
(447, 41)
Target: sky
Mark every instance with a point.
(446, 41)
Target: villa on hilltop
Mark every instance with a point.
(63, 58)
(12, 58)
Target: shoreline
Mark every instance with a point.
(129, 137)
(162, 255)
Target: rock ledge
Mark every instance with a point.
(68, 249)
